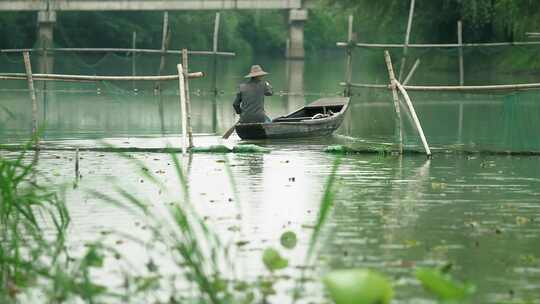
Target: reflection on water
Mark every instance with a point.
(391, 213)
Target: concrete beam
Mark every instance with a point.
(146, 5)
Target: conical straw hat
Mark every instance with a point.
(256, 70)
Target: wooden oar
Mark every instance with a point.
(229, 132)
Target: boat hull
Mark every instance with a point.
(282, 128)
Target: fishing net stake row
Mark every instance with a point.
(350, 45)
(183, 77)
(163, 51)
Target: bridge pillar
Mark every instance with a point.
(45, 36)
(295, 78)
(295, 43)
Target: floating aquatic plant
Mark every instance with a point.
(288, 239)
(358, 286)
(443, 286)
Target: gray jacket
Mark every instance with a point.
(249, 102)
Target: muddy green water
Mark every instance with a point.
(392, 214)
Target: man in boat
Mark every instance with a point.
(249, 102)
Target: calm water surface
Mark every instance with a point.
(392, 214)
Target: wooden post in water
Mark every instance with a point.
(187, 98)
(398, 120)
(164, 46)
(133, 57)
(461, 77)
(28, 67)
(77, 164)
(350, 48)
(215, 71)
(415, 117)
(460, 42)
(215, 49)
(407, 40)
(183, 114)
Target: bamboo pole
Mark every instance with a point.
(398, 120)
(61, 77)
(188, 99)
(415, 117)
(120, 50)
(28, 67)
(215, 49)
(45, 79)
(435, 45)
(133, 57)
(411, 72)
(165, 30)
(505, 87)
(461, 78)
(460, 42)
(183, 114)
(164, 46)
(407, 40)
(77, 164)
(484, 88)
(215, 67)
(348, 66)
(366, 86)
(460, 123)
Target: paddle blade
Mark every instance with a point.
(229, 132)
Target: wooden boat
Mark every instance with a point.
(320, 118)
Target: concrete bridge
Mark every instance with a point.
(47, 10)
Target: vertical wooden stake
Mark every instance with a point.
(415, 118)
(77, 164)
(407, 40)
(215, 71)
(398, 120)
(187, 98)
(460, 42)
(164, 46)
(215, 49)
(348, 67)
(183, 115)
(460, 122)
(133, 62)
(28, 67)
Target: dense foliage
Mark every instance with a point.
(266, 31)
(435, 21)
